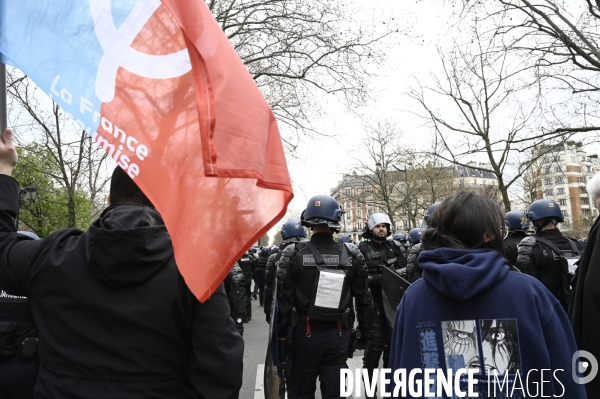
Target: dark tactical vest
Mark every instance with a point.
(246, 263)
(18, 334)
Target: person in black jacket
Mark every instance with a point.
(18, 345)
(235, 283)
(115, 317)
(544, 256)
(517, 224)
(584, 309)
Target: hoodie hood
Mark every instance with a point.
(463, 273)
(127, 245)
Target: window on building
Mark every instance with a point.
(573, 159)
(577, 169)
(582, 190)
(560, 190)
(549, 191)
(557, 169)
(560, 180)
(586, 212)
(547, 160)
(588, 168)
(581, 179)
(348, 204)
(565, 213)
(349, 216)
(359, 213)
(548, 182)
(347, 191)
(547, 170)
(584, 201)
(562, 202)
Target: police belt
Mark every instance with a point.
(316, 325)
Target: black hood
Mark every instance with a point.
(127, 245)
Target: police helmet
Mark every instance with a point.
(252, 250)
(399, 237)
(322, 210)
(265, 251)
(414, 236)
(292, 229)
(274, 250)
(430, 212)
(378, 218)
(29, 234)
(516, 220)
(345, 238)
(544, 208)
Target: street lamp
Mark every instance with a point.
(26, 194)
(407, 198)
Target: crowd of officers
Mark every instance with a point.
(315, 325)
(328, 291)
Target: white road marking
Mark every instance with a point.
(259, 387)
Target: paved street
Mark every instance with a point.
(255, 338)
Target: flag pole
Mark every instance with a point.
(3, 107)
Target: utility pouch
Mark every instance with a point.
(28, 348)
(7, 338)
(348, 319)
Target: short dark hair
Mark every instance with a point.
(124, 189)
(461, 221)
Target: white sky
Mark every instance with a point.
(318, 165)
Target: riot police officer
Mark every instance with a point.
(346, 238)
(246, 263)
(413, 271)
(236, 292)
(259, 274)
(316, 282)
(544, 255)
(18, 345)
(291, 232)
(517, 225)
(379, 252)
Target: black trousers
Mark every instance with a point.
(17, 381)
(321, 355)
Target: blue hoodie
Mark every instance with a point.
(469, 311)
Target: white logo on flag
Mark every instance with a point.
(118, 51)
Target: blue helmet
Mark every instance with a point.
(322, 210)
(274, 250)
(252, 250)
(29, 234)
(265, 251)
(544, 208)
(345, 238)
(291, 229)
(399, 237)
(516, 220)
(430, 212)
(414, 236)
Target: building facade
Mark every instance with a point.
(561, 173)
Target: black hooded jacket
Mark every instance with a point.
(115, 317)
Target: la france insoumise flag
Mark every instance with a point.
(159, 87)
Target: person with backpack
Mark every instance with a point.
(548, 255)
(469, 312)
(316, 281)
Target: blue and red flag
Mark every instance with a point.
(160, 88)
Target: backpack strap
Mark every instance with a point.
(550, 244)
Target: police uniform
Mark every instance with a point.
(378, 255)
(259, 272)
(320, 339)
(511, 243)
(236, 292)
(539, 260)
(246, 263)
(270, 281)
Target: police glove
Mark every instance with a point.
(361, 338)
(285, 349)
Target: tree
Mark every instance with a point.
(58, 149)
(277, 239)
(50, 211)
(296, 48)
(264, 240)
(498, 112)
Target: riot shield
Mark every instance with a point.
(392, 288)
(272, 379)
